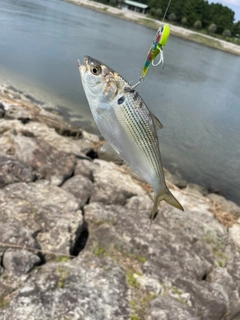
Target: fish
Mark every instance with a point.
(127, 125)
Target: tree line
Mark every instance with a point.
(199, 14)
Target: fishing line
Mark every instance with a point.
(166, 10)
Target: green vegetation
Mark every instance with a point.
(148, 23)
(218, 248)
(62, 259)
(131, 280)
(63, 273)
(207, 41)
(3, 302)
(99, 252)
(134, 317)
(210, 18)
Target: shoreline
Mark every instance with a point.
(154, 24)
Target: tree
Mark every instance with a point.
(193, 10)
(212, 28)
(236, 29)
(184, 20)
(158, 13)
(226, 33)
(172, 17)
(197, 25)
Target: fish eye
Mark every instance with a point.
(95, 70)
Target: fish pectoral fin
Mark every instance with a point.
(157, 123)
(103, 109)
(169, 198)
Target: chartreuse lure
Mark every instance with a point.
(159, 41)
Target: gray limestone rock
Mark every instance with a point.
(2, 110)
(167, 308)
(86, 288)
(12, 170)
(193, 188)
(84, 168)
(174, 179)
(51, 213)
(184, 267)
(80, 187)
(111, 185)
(179, 251)
(47, 161)
(18, 112)
(19, 261)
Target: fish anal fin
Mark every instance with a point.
(107, 148)
(157, 123)
(169, 198)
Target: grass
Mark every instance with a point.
(3, 302)
(63, 273)
(206, 41)
(131, 281)
(148, 23)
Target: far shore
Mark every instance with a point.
(152, 23)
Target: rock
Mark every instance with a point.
(80, 187)
(42, 132)
(84, 168)
(47, 161)
(148, 283)
(19, 261)
(185, 266)
(2, 110)
(51, 164)
(107, 153)
(179, 251)
(234, 233)
(209, 300)
(140, 203)
(174, 179)
(15, 236)
(90, 144)
(13, 233)
(13, 170)
(166, 308)
(224, 205)
(111, 186)
(196, 189)
(19, 112)
(63, 144)
(51, 213)
(85, 288)
(222, 277)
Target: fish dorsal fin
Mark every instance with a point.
(157, 123)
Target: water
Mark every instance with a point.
(196, 96)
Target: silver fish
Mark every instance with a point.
(127, 124)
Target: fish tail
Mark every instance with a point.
(169, 198)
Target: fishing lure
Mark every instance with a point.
(159, 41)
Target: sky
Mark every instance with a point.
(232, 4)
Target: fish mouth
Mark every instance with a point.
(82, 68)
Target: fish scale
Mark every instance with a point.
(127, 125)
(141, 132)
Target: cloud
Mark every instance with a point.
(232, 2)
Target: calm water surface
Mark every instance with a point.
(196, 96)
